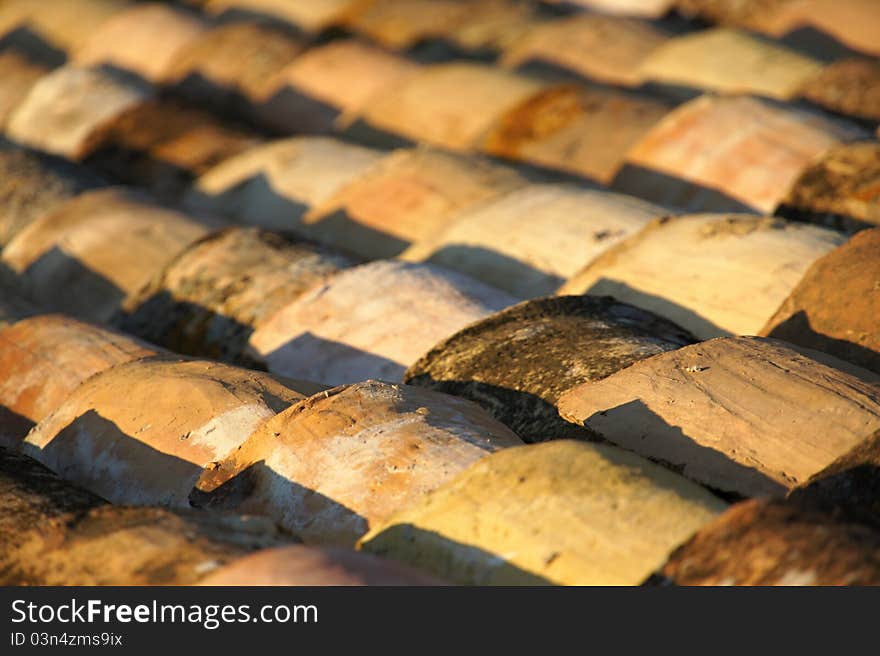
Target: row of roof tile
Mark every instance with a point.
(409, 471)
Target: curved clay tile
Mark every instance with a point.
(91, 252)
(327, 87)
(227, 68)
(343, 331)
(144, 39)
(595, 46)
(769, 542)
(578, 130)
(644, 8)
(274, 185)
(729, 61)
(141, 433)
(61, 23)
(848, 486)
(44, 358)
(24, 59)
(401, 24)
(847, 86)
(518, 362)
(841, 188)
(529, 240)
(55, 533)
(211, 297)
(33, 184)
(334, 465)
(744, 13)
(835, 306)
(713, 274)
(66, 111)
(728, 153)
(492, 25)
(747, 415)
(450, 105)
(164, 144)
(561, 513)
(306, 15)
(854, 23)
(405, 197)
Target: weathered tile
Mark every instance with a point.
(88, 254)
(745, 13)
(596, 46)
(334, 465)
(144, 39)
(62, 23)
(451, 105)
(211, 297)
(55, 533)
(24, 59)
(745, 150)
(841, 188)
(771, 542)
(344, 332)
(529, 240)
(164, 144)
(307, 15)
(66, 111)
(730, 61)
(854, 23)
(276, 184)
(644, 8)
(560, 513)
(228, 67)
(847, 86)
(713, 274)
(848, 486)
(836, 306)
(327, 87)
(44, 358)
(747, 415)
(518, 362)
(401, 24)
(578, 130)
(142, 432)
(405, 197)
(33, 184)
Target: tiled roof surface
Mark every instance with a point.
(481, 292)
